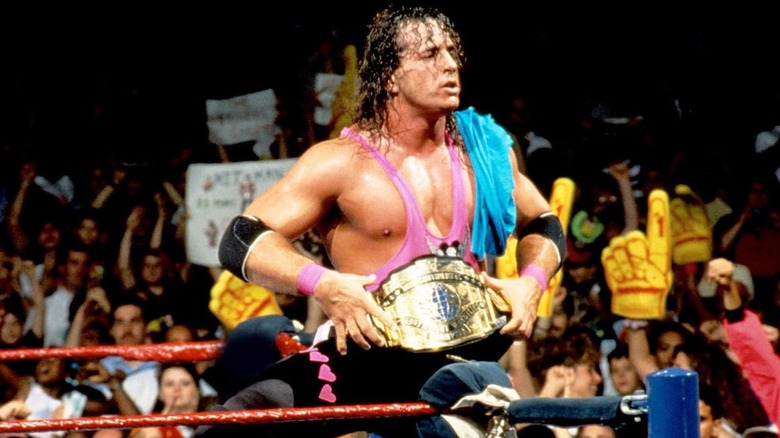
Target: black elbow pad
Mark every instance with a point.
(239, 237)
(549, 226)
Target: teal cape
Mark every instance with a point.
(487, 145)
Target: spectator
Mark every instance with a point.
(161, 289)
(87, 231)
(12, 331)
(625, 379)
(750, 236)
(747, 340)
(742, 408)
(49, 395)
(132, 378)
(651, 344)
(711, 413)
(178, 394)
(70, 281)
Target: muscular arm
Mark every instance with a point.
(290, 207)
(533, 248)
(298, 202)
(525, 292)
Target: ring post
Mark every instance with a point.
(673, 404)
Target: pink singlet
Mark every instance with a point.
(419, 240)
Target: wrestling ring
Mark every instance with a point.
(670, 404)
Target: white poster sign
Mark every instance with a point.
(250, 117)
(218, 192)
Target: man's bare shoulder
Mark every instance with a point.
(332, 153)
(338, 145)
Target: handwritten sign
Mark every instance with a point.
(218, 192)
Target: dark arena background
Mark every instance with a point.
(135, 80)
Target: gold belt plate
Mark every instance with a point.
(438, 303)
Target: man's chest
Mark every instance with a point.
(383, 204)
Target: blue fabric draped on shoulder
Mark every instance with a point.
(488, 144)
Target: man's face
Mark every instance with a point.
(427, 78)
(623, 375)
(49, 236)
(11, 329)
(586, 380)
(152, 269)
(709, 426)
(50, 370)
(88, 231)
(128, 327)
(664, 350)
(76, 266)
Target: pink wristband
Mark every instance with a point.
(537, 273)
(308, 278)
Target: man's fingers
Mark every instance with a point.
(374, 309)
(490, 281)
(510, 328)
(356, 333)
(368, 279)
(341, 338)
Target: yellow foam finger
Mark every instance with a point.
(562, 199)
(658, 230)
(637, 266)
(234, 300)
(691, 231)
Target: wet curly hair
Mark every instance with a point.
(381, 57)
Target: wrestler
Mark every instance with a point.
(412, 185)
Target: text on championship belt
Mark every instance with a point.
(438, 303)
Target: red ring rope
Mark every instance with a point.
(257, 416)
(165, 352)
(186, 351)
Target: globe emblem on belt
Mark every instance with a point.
(444, 304)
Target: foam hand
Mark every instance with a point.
(691, 230)
(637, 266)
(233, 300)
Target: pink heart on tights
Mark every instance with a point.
(326, 374)
(326, 394)
(316, 356)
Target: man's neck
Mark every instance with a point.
(415, 132)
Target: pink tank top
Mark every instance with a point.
(419, 240)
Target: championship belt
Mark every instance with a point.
(438, 303)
